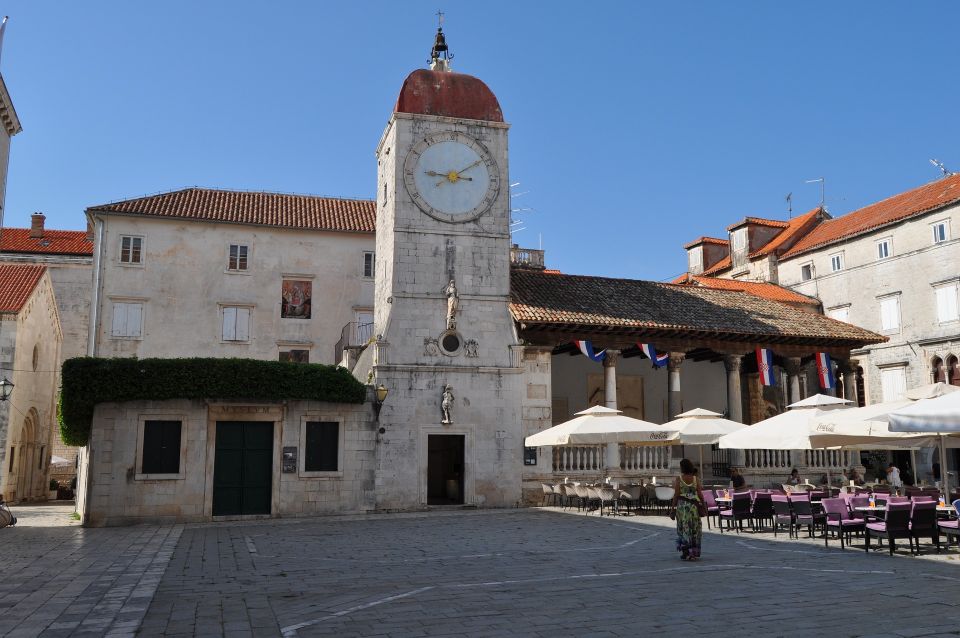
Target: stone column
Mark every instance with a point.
(610, 378)
(848, 369)
(732, 363)
(793, 375)
(611, 460)
(673, 384)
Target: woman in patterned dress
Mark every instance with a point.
(686, 498)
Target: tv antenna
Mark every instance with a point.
(822, 183)
(789, 199)
(943, 169)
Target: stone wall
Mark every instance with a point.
(116, 493)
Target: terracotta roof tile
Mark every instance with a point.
(758, 221)
(53, 242)
(565, 301)
(759, 288)
(17, 281)
(259, 209)
(795, 229)
(943, 192)
(707, 240)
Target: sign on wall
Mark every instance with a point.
(289, 460)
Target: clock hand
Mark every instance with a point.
(469, 167)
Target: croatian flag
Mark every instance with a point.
(825, 371)
(765, 365)
(658, 360)
(587, 349)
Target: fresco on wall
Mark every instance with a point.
(296, 298)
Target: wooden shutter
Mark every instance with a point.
(243, 324)
(229, 324)
(134, 319)
(119, 320)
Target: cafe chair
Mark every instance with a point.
(782, 514)
(761, 510)
(923, 522)
(839, 520)
(896, 524)
(951, 528)
(803, 514)
(739, 511)
(712, 508)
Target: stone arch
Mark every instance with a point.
(938, 370)
(953, 370)
(25, 473)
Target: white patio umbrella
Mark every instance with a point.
(599, 425)
(941, 416)
(702, 427)
(788, 430)
(59, 460)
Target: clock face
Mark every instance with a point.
(451, 177)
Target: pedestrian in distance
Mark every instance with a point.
(688, 508)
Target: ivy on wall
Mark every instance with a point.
(88, 381)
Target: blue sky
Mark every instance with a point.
(636, 127)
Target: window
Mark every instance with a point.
(10, 468)
(131, 250)
(806, 272)
(43, 448)
(236, 323)
(237, 260)
(840, 314)
(941, 231)
(161, 447)
(127, 320)
(894, 382)
(890, 314)
(947, 309)
(530, 455)
(321, 446)
(883, 248)
(836, 262)
(295, 356)
(694, 259)
(369, 261)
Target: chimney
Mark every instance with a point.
(89, 230)
(36, 225)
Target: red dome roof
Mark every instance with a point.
(447, 94)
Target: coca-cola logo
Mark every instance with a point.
(826, 427)
(659, 436)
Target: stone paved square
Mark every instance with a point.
(454, 573)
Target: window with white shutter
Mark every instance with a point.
(890, 314)
(894, 382)
(836, 262)
(947, 307)
(236, 323)
(127, 320)
(840, 314)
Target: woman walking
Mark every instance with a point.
(688, 503)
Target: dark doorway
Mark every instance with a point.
(901, 458)
(445, 469)
(243, 468)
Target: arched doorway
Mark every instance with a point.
(25, 461)
(939, 370)
(953, 370)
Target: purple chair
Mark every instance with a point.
(761, 510)
(840, 520)
(782, 514)
(923, 522)
(739, 511)
(712, 508)
(898, 499)
(951, 527)
(896, 524)
(803, 514)
(923, 497)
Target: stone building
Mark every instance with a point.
(30, 339)
(470, 346)
(211, 273)
(889, 267)
(68, 257)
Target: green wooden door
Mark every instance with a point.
(243, 468)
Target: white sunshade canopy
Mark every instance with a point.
(789, 430)
(703, 427)
(869, 425)
(940, 415)
(599, 425)
(819, 400)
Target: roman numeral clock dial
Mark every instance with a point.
(451, 177)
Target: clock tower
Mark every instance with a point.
(446, 345)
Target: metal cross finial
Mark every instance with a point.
(440, 49)
(439, 19)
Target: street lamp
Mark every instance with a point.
(381, 393)
(5, 389)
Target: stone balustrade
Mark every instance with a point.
(578, 458)
(645, 459)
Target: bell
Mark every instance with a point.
(439, 45)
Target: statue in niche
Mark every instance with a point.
(446, 404)
(430, 347)
(453, 303)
